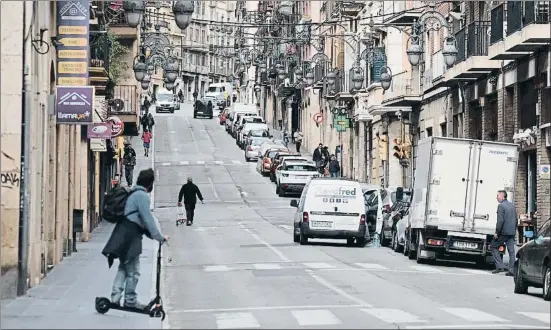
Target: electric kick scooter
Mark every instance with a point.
(153, 309)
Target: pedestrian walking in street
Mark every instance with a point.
(146, 137)
(190, 192)
(144, 121)
(195, 94)
(317, 155)
(125, 242)
(506, 229)
(129, 161)
(150, 122)
(298, 139)
(285, 137)
(146, 104)
(334, 167)
(181, 96)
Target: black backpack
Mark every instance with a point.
(114, 203)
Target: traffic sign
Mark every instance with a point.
(318, 118)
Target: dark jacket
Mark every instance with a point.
(334, 166)
(189, 191)
(129, 158)
(316, 156)
(125, 242)
(506, 219)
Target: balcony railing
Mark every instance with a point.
(461, 49)
(520, 14)
(402, 85)
(497, 24)
(477, 39)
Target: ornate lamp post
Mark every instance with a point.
(140, 70)
(145, 81)
(171, 71)
(357, 77)
(331, 78)
(133, 11)
(298, 73)
(182, 13)
(182, 9)
(386, 78)
(309, 78)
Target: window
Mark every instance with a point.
(428, 131)
(371, 198)
(443, 130)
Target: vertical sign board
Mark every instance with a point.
(73, 20)
(75, 105)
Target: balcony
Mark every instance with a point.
(371, 105)
(344, 92)
(524, 28)
(433, 76)
(403, 91)
(350, 8)
(402, 12)
(129, 113)
(319, 75)
(472, 60)
(120, 28)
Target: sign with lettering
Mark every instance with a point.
(73, 19)
(74, 105)
(99, 131)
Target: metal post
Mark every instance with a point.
(403, 140)
(23, 244)
(340, 153)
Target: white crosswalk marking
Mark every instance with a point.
(266, 266)
(426, 269)
(236, 321)
(315, 317)
(236, 162)
(390, 315)
(473, 315)
(201, 162)
(318, 265)
(166, 164)
(288, 227)
(543, 317)
(218, 162)
(217, 268)
(370, 266)
(184, 162)
(476, 271)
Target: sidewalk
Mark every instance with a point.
(66, 296)
(278, 136)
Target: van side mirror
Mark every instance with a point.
(294, 203)
(399, 194)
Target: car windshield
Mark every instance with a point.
(258, 132)
(165, 97)
(298, 167)
(272, 153)
(214, 89)
(258, 141)
(254, 120)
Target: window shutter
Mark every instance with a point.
(378, 64)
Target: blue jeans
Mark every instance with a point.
(510, 244)
(126, 280)
(334, 174)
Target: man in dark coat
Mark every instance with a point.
(125, 242)
(506, 229)
(189, 192)
(317, 155)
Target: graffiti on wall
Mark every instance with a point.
(9, 176)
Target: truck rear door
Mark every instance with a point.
(495, 168)
(448, 184)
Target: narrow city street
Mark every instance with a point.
(237, 266)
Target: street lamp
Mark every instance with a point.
(414, 51)
(357, 77)
(309, 78)
(281, 75)
(140, 69)
(171, 71)
(263, 67)
(298, 73)
(145, 81)
(386, 78)
(450, 51)
(133, 11)
(183, 9)
(331, 78)
(285, 8)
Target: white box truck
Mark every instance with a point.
(453, 211)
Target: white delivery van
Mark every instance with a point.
(166, 101)
(330, 208)
(453, 207)
(221, 92)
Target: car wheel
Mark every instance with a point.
(172, 111)
(520, 284)
(303, 240)
(411, 253)
(418, 252)
(396, 247)
(281, 193)
(547, 282)
(296, 237)
(350, 241)
(360, 241)
(247, 159)
(194, 115)
(384, 241)
(210, 117)
(277, 189)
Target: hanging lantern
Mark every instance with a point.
(183, 9)
(140, 70)
(309, 78)
(133, 11)
(145, 81)
(298, 73)
(386, 78)
(171, 71)
(331, 78)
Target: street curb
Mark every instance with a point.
(152, 199)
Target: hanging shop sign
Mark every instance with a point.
(117, 126)
(100, 130)
(73, 19)
(74, 105)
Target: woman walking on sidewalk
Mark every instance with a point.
(146, 137)
(298, 139)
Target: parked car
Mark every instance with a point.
(278, 159)
(252, 147)
(223, 115)
(203, 108)
(533, 264)
(292, 176)
(330, 208)
(266, 154)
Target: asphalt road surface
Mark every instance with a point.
(237, 266)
